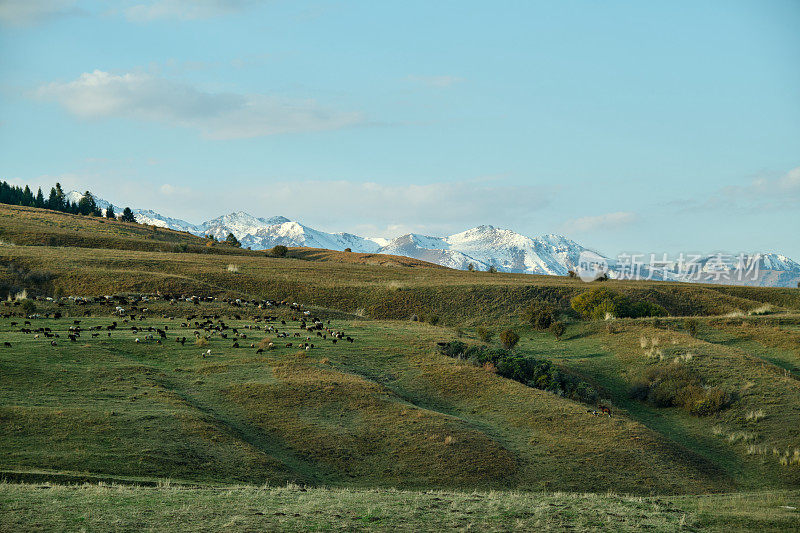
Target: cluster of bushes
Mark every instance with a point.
(537, 373)
(600, 303)
(676, 385)
(431, 318)
(544, 316)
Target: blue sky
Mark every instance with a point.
(627, 126)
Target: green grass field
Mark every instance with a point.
(383, 431)
(105, 506)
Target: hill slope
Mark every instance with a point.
(387, 409)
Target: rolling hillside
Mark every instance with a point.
(389, 409)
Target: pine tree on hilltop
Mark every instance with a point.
(87, 205)
(110, 212)
(127, 215)
(27, 197)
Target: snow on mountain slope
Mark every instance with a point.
(436, 251)
(261, 233)
(146, 216)
(764, 270)
(487, 246)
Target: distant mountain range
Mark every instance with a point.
(482, 247)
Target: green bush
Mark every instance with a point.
(28, 306)
(279, 251)
(536, 373)
(597, 304)
(690, 325)
(509, 338)
(676, 385)
(485, 335)
(558, 329)
(540, 315)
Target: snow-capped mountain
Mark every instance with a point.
(765, 270)
(482, 247)
(261, 233)
(151, 218)
(487, 246)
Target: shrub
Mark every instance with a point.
(28, 307)
(558, 329)
(279, 250)
(536, 373)
(572, 274)
(201, 341)
(484, 334)
(599, 303)
(231, 240)
(433, 319)
(509, 338)
(676, 385)
(348, 249)
(540, 315)
(715, 400)
(471, 267)
(690, 325)
(492, 269)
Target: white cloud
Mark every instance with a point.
(790, 181)
(185, 9)
(600, 222)
(437, 81)
(170, 190)
(760, 195)
(140, 96)
(27, 12)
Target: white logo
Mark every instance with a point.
(591, 265)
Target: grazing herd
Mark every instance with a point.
(128, 314)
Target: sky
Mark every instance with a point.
(638, 127)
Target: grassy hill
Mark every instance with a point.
(388, 410)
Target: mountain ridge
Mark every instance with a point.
(481, 248)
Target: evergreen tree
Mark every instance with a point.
(27, 197)
(39, 202)
(232, 240)
(87, 205)
(61, 201)
(110, 212)
(127, 215)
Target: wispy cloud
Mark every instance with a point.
(436, 81)
(185, 9)
(608, 221)
(30, 12)
(757, 196)
(150, 98)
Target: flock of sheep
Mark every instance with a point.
(130, 312)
